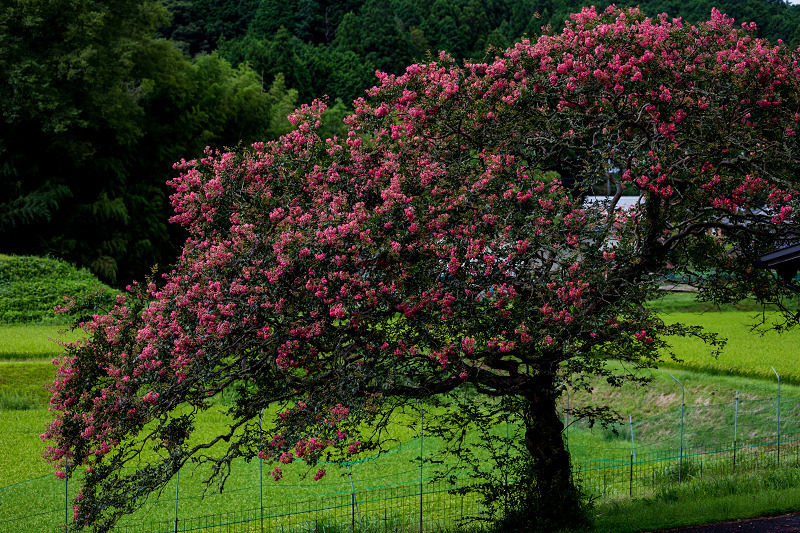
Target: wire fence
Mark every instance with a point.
(397, 491)
(381, 509)
(407, 506)
(690, 442)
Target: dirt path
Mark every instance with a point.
(789, 523)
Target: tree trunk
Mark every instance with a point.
(548, 499)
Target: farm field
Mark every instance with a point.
(747, 353)
(33, 341)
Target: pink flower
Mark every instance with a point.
(286, 458)
(337, 311)
(151, 397)
(468, 344)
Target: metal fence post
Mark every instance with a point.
(177, 484)
(566, 416)
(353, 503)
(779, 415)
(604, 482)
(421, 435)
(505, 473)
(66, 503)
(261, 474)
(631, 480)
(683, 404)
(735, 428)
(633, 444)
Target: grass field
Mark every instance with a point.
(33, 341)
(744, 366)
(747, 353)
(399, 467)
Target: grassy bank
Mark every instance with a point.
(702, 502)
(747, 353)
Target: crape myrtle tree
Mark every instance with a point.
(445, 243)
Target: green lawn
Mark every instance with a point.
(702, 502)
(22, 383)
(37, 489)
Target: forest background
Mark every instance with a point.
(100, 97)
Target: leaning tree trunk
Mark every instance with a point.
(548, 499)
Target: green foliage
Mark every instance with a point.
(387, 35)
(97, 87)
(113, 107)
(33, 208)
(31, 287)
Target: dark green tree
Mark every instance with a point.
(71, 86)
(348, 34)
(271, 15)
(113, 107)
(382, 42)
(225, 19)
(184, 28)
(336, 72)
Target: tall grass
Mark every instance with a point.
(26, 379)
(687, 302)
(703, 501)
(12, 400)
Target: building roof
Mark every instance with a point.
(625, 202)
(785, 261)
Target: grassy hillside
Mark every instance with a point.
(30, 287)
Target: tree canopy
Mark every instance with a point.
(446, 241)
